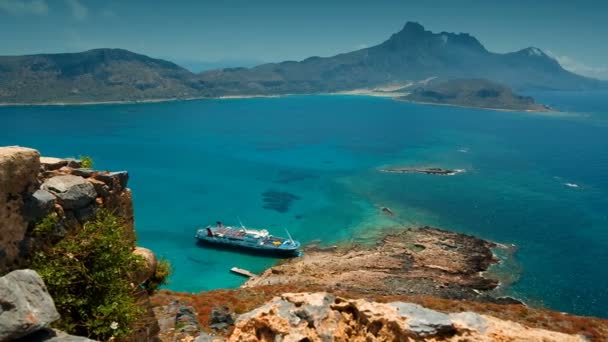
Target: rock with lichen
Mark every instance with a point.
(324, 317)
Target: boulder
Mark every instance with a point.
(221, 318)
(25, 305)
(148, 268)
(19, 167)
(101, 188)
(115, 180)
(73, 192)
(186, 320)
(424, 322)
(38, 205)
(86, 173)
(51, 163)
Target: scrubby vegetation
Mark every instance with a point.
(160, 276)
(87, 274)
(86, 162)
(46, 225)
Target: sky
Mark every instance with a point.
(225, 32)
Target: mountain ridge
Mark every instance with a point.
(410, 55)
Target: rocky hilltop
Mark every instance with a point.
(100, 75)
(324, 317)
(411, 55)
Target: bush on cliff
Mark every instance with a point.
(87, 274)
(160, 276)
(86, 162)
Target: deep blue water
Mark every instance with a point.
(192, 163)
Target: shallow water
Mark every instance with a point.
(193, 163)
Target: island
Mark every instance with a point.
(476, 93)
(424, 170)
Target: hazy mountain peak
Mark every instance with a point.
(534, 51)
(414, 34)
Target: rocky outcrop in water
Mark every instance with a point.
(426, 261)
(323, 317)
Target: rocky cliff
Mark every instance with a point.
(324, 317)
(33, 188)
(43, 201)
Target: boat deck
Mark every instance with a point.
(230, 232)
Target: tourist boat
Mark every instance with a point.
(251, 239)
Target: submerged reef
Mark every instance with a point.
(278, 200)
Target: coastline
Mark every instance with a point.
(545, 111)
(395, 96)
(418, 261)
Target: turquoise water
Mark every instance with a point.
(192, 163)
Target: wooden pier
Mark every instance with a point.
(242, 272)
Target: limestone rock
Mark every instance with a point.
(148, 268)
(118, 179)
(25, 304)
(73, 192)
(323, 317)
(51, 163)
(422, 321)
(19, 168)
(38, 205)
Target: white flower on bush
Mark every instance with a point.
(114, 325)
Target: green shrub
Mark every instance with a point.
(160, 276)
(87, 274)
(46, 225)
(86, 162)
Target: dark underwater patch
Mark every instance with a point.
(278, 200)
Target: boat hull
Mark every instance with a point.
(247, 248)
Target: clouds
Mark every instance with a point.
(79, 11)
(19, 7)
(570, 64)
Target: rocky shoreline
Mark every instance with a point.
(421, 261)
(424, 170)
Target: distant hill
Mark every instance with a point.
(473, 93)
(95, 75)
(409, 56)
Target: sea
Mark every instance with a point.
(536, 182)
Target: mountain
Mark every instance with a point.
(95, 75)
(473, 93)
(412, 54)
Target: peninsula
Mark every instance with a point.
(476, 93)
